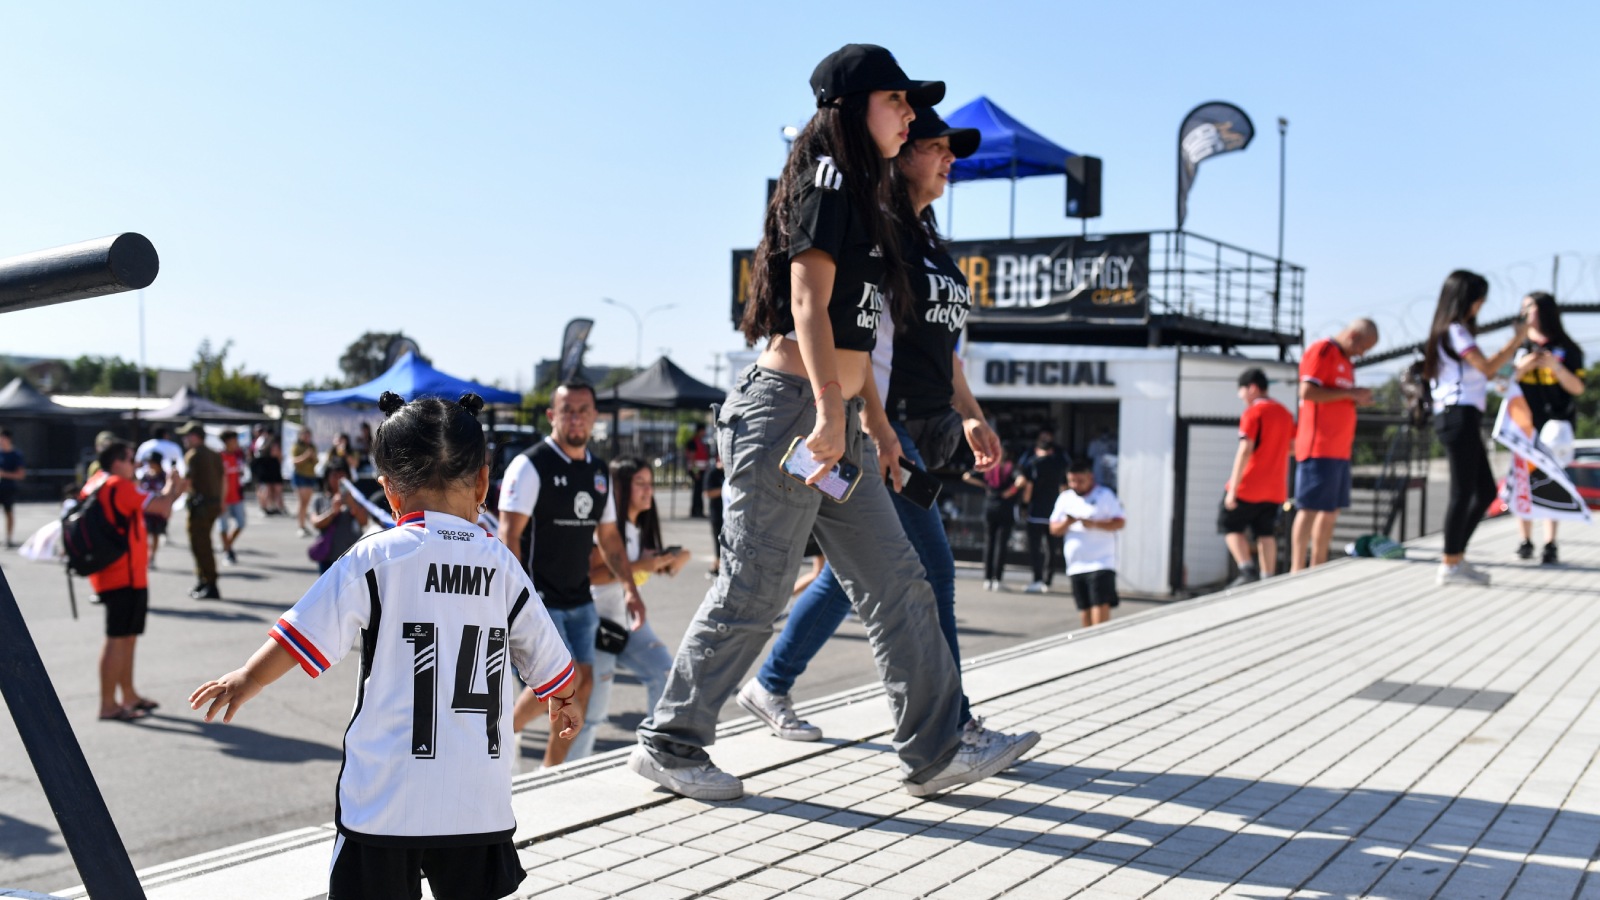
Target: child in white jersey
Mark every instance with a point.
(438, 607)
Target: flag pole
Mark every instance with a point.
(1277, 276)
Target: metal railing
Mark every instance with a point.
(1193, 275)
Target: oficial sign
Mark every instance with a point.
(1106, 278)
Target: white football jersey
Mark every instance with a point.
(436, 606)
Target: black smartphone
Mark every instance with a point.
(669, 551)
(838, 484)
(918, 486)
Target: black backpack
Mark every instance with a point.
(93, 540)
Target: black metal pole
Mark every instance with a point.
(105, 265)
(80, 810)
(1277, 275)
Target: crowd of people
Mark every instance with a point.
(856, 306)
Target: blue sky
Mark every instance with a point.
(477, 174)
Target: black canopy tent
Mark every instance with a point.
(661, 386)
(50, 436)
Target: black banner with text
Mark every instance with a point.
(1065, 279)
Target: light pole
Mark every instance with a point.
(1277, 276)
(638, 324)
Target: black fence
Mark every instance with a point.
(1192, 275)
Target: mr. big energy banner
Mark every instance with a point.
(1037, 279)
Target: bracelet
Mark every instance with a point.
(825, 390)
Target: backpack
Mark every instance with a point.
(92, 539)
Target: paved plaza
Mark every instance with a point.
(1354, 731)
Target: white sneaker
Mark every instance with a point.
(777, 712)
(1461, 574)
(974, 732)
(1038, 587)
(988, 584)
(702, 782)
(973, 761)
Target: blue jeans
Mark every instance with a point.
(647, 658)
(577, 627)
(823, 605)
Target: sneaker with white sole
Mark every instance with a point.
(1461, 574)
(702, 782)
(777, 712)
(974, 761)
(974, 732)
(1038, 587)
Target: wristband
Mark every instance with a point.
(825, 390)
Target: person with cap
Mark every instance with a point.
(829, 262)
(1259, 482)
(931, 410)
(204, 503)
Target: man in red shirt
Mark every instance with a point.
(1259, 482)
(234, 461)
(1326, 429)
(123, 586)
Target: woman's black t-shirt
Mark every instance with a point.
(1547, 399)
(824, 220)
(924, 348)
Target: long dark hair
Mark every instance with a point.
(1461, 290)
(838, 131)
(1554, 332)
(623, 468)
(928, 231)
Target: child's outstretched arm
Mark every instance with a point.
(233, 689)
(563, 709)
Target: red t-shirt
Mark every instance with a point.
(1267, 425)
(1326, 430)
(124, 496)
(232, 468)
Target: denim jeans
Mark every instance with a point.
(768, 517)
(819, 610)
(647, 658)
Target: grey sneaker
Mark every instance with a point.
(1038, 587)
(1249, 573)
(974, 761)
(974, 732)
(702, 782)
(777, 712)
(1461, 574)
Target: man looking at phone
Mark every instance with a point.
(1089, 515)
(555, 504)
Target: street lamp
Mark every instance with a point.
(638, 324)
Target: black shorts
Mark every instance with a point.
(155, 525)
(1260, 519)
(369, 872)
(8, 496)
(125, 611)
(1095, 589)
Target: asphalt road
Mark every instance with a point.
(177, 786)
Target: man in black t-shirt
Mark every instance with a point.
(555, 504)
(1042, 475)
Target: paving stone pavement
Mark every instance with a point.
(1351, 731)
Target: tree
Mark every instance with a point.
(369, 356)
(102, 375)
(236, 389)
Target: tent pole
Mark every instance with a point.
(1013, 197)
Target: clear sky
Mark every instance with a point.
(476, 174)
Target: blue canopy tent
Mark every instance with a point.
(411, 378)
(1009, 149)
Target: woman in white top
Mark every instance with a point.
(643, 654)
(1459, 374)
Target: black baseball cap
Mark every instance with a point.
(1253, 376)
(927, 125)
(859, 68)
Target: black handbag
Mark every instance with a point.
(937, 437)
(612, 637)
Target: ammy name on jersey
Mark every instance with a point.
(446, 578)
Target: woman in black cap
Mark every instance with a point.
(829, 257)
(931, 409)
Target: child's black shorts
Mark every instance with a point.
(1095, 589)
(369, 872)
(126, 609)
(1259, 519)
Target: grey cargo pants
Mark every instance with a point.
(768, 516)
